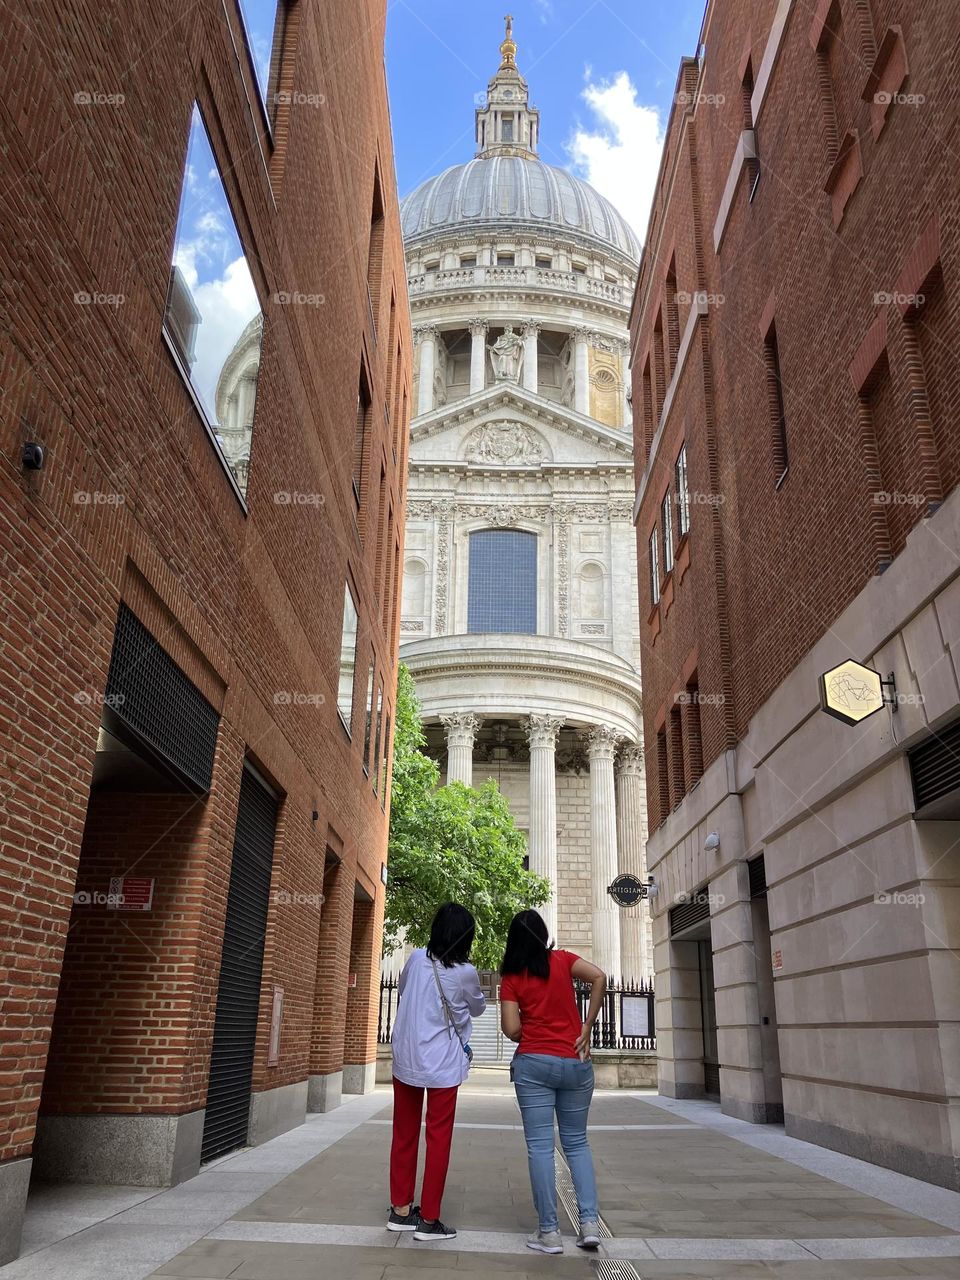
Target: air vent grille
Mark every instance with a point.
(935, 767)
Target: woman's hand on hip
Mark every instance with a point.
(582, 1042)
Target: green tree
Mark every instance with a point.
(452, 843)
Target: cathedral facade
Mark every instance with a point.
(519, 617)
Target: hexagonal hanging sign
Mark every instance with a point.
(851, 692)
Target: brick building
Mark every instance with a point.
(205, 329)
(795, 382)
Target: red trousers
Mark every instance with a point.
(407, 1111)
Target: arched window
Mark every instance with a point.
(591, 591)
(414, 589)
(502, 592)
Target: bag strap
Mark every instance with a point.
(445, 1004)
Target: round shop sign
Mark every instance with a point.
(627, 890)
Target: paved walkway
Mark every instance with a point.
(684, 1192)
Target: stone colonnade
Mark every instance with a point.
(616, 816)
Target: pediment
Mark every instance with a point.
(509, 428)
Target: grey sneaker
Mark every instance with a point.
(589, 1237)
(404, 1221)
(434, 1231)
(546, 1242)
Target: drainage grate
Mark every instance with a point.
(148, 693)
(606, 1267)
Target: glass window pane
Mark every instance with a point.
(212, 318)
(376, 744)
(348, 660)
(502, 592)
(260, 21)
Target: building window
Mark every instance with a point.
(385, 760)
(264, 35)
(666, 523)
(778, 417)
(360, 433)
(502, 593)
(654, 558)
(683, 491)
(212, 321)
(678, 788)
(544, 261)
(746, 107)
(348, 659)
(663, 776)
(506, 259)
(506, 129)
(469, 262)
(368, 722)
(376, 741)
(375, 250)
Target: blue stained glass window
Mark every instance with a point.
(503, 581)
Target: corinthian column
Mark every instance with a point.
(531, 331)
(461, 729)
(602, 745)
(426, 337)
(581, 371)
(635, 945)
(478, 355)
(542, 731)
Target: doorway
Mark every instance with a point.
(708, 1019)
(227, 1114)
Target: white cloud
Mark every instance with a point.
(545, 9)
(620, 153)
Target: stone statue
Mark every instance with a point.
(506, 355)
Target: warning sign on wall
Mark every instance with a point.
(131, 893)
(777, 960)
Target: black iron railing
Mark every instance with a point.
(626, 1020)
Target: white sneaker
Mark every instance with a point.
(546, 1242)
(589, 1237)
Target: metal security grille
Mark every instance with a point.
(238, 997)
(758, 876)
(503, 582)
(935, 767)
(148, 693)
(686, 914)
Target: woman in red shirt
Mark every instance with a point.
(551, 1070)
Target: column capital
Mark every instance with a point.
(478, 327)
(583, 334)
(421, 331)
(531, 326)
(543, 730)
(461, 728)
(630, 760)
(602, 742)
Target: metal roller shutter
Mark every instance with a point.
(238, 996)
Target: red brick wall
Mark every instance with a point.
(769, 568)
(249, 603)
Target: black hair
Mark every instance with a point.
(451, 935)
(528, 946)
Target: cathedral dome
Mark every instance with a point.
(494, 191)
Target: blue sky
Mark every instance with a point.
(602, 73)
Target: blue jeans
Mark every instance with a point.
(546, 1085)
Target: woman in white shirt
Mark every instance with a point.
(439, 994)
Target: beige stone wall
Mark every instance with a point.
(606, 388)
(575, 881)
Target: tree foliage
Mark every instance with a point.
(452, 843)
